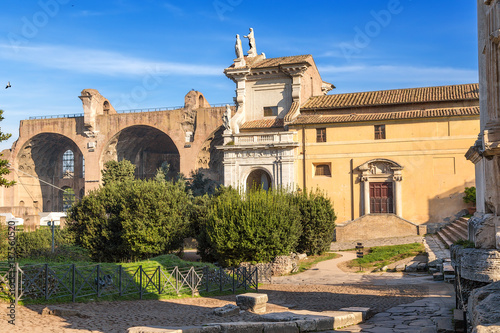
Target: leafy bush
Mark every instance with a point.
(132, 219)
(34, 243)
(3, 242)
(470, 195)
(318, 222)
(255, 227)
(117, 171)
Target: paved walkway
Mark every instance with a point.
(435, 248)
(431, 314)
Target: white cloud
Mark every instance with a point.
(105, 63)
(173, 9)
(412, 76)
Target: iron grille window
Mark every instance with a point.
(320, 134)
(68, 167)
(68, 198)
(322, 170)
(379, 132)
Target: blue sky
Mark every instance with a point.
(150, 53)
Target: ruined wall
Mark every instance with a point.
(184, 138)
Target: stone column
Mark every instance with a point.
(366, 195)
(398, 178)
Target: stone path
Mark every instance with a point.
(429, 315)
(435, 248)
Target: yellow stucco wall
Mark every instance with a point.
(430, 150)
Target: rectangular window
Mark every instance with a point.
(270, 111)
(320, 134)
(379, 132)
(322, 170)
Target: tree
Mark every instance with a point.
(132, 219)
(117, 171)
(318, 222)
(4, 168)
(255, 227)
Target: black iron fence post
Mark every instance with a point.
(73, 280)
(17, 286)
(120, 280)
(234, 276)
(206, 277)
(98, 280)
(245, 277)
(256, 279)
(46, 282)
(140, 281)
(159, 279)
(220, 279)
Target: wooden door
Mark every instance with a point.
(381, 198)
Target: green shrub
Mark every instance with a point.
(255, 227)
(318, 222)
(470, 195)
(3, 242)
(132, 219)
(34, 243)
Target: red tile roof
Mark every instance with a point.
(357, 117)
(397, 96)
(263, 123)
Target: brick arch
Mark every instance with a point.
(39, 165)
(145, 146)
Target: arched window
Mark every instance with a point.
(201, 101)
(68, 167)
(68, 198)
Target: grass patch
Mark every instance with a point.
(381, 256)
(85, 268)
(306, 264)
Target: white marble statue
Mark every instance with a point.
(226, 117)
(251, 42)
(238, 49)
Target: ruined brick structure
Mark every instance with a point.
(67, 152)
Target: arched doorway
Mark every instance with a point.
(258, 178)
(47, 163)
(146, 147)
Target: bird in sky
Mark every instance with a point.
(8, 85)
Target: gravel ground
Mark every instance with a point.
(118, 316)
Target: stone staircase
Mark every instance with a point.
(454, 231)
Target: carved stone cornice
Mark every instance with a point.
(237, 74)
(491, 137)
(295, 69)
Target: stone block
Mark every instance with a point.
(62, 312)
(494, 328)
(241, 327)
(366, 313)
(421, 267)
(227, 310)
(438, 276)
(186, 329)
(412, 267)
(281, 327)
(253, 302)
(484, 305)
(400, 268)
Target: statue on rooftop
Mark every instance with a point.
(251, 42)
(226, 118)
(238, 49)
